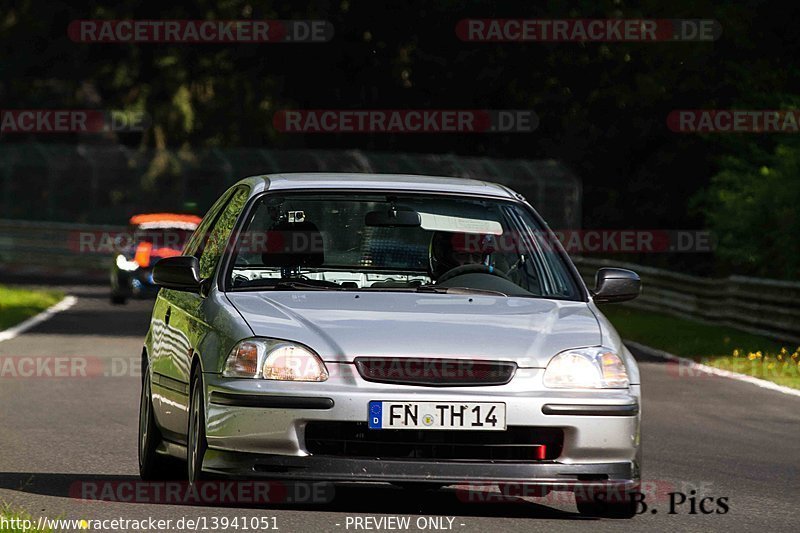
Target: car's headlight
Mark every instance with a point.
(124, 264)
(586, 368)
(274, 359)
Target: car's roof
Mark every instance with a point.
(395, 182)
(165, 220)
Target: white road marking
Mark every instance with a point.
(48, 313)
(764, 384)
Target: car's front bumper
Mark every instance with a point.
(313, 468)
(256, 427)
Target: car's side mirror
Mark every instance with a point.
(616, 285)
(180, 273)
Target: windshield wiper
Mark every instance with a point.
(458, 290)
(305, 286)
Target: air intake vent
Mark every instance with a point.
(355, 439)
(435, 372)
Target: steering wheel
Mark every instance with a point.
(470, 269)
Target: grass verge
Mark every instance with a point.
(18, 304)
(14, 521)
(718, 346)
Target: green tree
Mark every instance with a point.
(753, 207)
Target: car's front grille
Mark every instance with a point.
(435, 372)
(355, 439)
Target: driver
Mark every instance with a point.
(450, 250)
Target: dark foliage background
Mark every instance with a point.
(602, 106)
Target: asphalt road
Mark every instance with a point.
(720, 438)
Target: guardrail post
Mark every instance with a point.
(8, 170)
(50, 180)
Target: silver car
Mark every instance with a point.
(415, 330)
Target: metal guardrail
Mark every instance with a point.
(106, 183)
(53, 250)
(761, 306)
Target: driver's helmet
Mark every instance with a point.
(450, 250)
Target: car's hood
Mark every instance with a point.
(341, 326)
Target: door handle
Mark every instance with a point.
(167, 315)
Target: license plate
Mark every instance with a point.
(476, 416)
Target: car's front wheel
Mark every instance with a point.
(197, 444)
(152, 465)
(604, 505)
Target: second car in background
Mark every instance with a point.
(151, 237)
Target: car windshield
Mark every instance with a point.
(162, 237)
(404, 242)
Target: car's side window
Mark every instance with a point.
(218, 237)
(197, 241)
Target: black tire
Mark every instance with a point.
(196, 444)
(117, 299)
(152, 465)
(603, 506)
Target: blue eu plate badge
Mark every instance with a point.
(375, 415)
